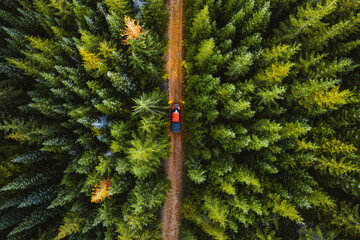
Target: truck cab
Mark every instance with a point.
(175, 117)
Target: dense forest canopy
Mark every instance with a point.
(272, 123)
(272, 102)
(83, 122)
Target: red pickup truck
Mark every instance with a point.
(175, 117)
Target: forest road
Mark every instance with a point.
(174, 165)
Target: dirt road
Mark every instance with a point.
(174, 165)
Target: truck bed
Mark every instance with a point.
(175, 127)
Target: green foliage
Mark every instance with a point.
(206, 50)
(149, 103)
(201, 26)
(272, 144)
(272, 116)
(145, 200)
(145, 156)
(284, 209)
(156, 16)
(309, 18)
(241, 63)
(120, 7)
(68, 85)
(26, 181)
(70, 226)
(38, 216)
(7, 170)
